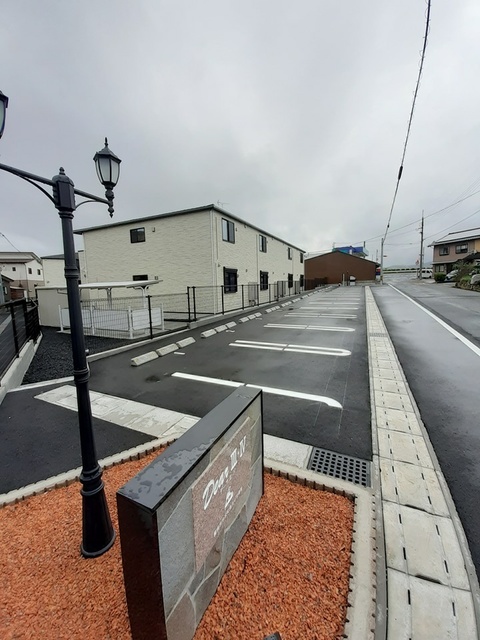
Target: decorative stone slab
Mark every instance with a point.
(208, 333)
(422, 610)
(145, 357)
(423, 545)
(232, 324)
(182, 518)
(404, 447)
(413, 486)
(169, 348)
(220, 328)
(185, 342)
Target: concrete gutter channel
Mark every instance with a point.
(412, 577)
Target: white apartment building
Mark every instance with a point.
(201, 247)
(24, 269)
(54, 269)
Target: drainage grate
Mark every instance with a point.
(337, 465)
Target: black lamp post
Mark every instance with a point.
(98, 534)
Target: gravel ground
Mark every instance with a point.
(54, 355)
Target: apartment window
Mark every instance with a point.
(14, 268)
(262, 243)
(263, 280)
(38, 272)
(290, 280)
(444, 251)
(230, 279)
(137, 235)
(30, 270)
(289, 253)
(301, 258)
(143, 276)
(461, 248)
(302, 280)
(228, 231)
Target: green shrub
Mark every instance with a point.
(439, 277)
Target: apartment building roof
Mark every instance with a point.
(18, 257)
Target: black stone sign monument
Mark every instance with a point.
(182, 518)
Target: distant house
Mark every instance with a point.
(54, 270)
(453, 247)
(25, 270)
(335, 267)
(202, 247)
(5, 294)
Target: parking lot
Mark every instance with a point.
(309, 357)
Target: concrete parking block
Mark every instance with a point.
(269, 310)
(208, 333)
(169, 348)
(245, 319)
(258, 315)
(412, 485)
(232, 324)
(423, 545)
(185, 342)
(404, 447)
(423, 610)
(252, 316)
(145, 357)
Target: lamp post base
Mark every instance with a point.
(98, 532)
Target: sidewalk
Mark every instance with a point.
(412, 576)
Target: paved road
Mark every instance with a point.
(443, 374)
(326, 356)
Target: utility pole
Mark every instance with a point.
(421, 247)
(381, 261)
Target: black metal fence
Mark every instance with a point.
(113, 321)
(210, 301)
(18, 324)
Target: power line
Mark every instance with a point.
(400, 171)
(454, 224)
(11, 243)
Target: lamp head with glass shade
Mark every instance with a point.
(108, 172)
(3, 111)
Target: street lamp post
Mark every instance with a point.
(98, 534)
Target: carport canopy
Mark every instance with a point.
(129, 284)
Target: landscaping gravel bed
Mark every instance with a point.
(54, 355)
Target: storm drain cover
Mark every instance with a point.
(340, 466)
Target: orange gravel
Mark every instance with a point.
(290, 573)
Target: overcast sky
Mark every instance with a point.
(292, 115)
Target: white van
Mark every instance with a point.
(427, 273)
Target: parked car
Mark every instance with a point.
(450, 277)
(427, 273)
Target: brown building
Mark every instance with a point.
(336, 267)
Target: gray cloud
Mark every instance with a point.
(293, 114)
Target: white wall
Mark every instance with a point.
(176, 249)
(54, 273)
(185, 250)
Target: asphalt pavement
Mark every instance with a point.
(442, 371)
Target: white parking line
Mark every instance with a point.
(320, 315)
(446, 326)
(273, 390)
(294, 348)
(307, 327)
